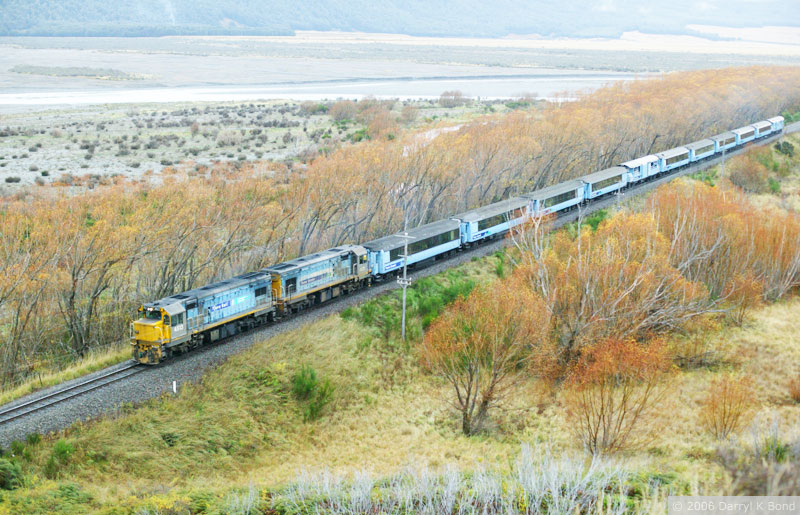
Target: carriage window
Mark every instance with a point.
(177, 319)
(606, 182)
(261, 291)
(558, 199)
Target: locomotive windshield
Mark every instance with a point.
(152, 313)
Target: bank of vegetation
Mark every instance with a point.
(651, 352)
(75, 268)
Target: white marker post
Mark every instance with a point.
(174, 386)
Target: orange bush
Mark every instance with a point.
(482, 344)
(727, 405)
(612, 388)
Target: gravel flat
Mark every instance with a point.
(154, 381)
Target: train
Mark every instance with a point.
(193, 318)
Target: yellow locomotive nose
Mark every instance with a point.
(148, 334)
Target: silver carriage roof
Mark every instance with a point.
(775, 119)
(420, 233)
(760, 125)
(700, 144)
(206, 291)
(552, 191)
(301, 262)
(603, 174)
(672, 152)
(742, 130)
(723, 136)
(639, 161)
(491, 210)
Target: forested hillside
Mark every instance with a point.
(471, 18)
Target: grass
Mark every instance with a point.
(93, 362)
(243, 423)
(243, 437)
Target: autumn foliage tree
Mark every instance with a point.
(483, 344)
(612, 388)
(618, 281)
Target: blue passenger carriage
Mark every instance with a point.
(309, 280)
(724, 141)
(744, 134)
(700, 150)
(777, 123)
(426, 242)
(203, 315)
(605, 181)
(559, 197)
(763, 129)
(490, 221)
(642, 168)
(673, 158)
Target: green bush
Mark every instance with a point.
(774, 186)
(304, 382)
(51, 468)
(33, 438)
(63, 451)
(321, 397)
(10, 474)
(17, 447)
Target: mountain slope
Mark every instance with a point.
(418, 17)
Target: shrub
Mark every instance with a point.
(63, 451)
(33, 438)
(482, 343)
(343, 110)
(321, 398)
(770, 466)
(794, 388)
(12, 179)
(10, 474)
(304, 381)
(17, 448)
(611, 388)
(774, 186)
(33, 168)
(728, 403)
(749, 174)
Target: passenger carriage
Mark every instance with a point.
(642, 168)
(553, 199)
(491, 221)
(777, 123)
(744, 134)
(700, 150)
(604, 182)
(724, 141)
(673, 158)
(426, 242)
(763, 129)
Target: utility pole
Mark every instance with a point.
(404, 282)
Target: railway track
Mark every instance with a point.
(8, 414)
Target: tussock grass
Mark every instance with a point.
(94, 361)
